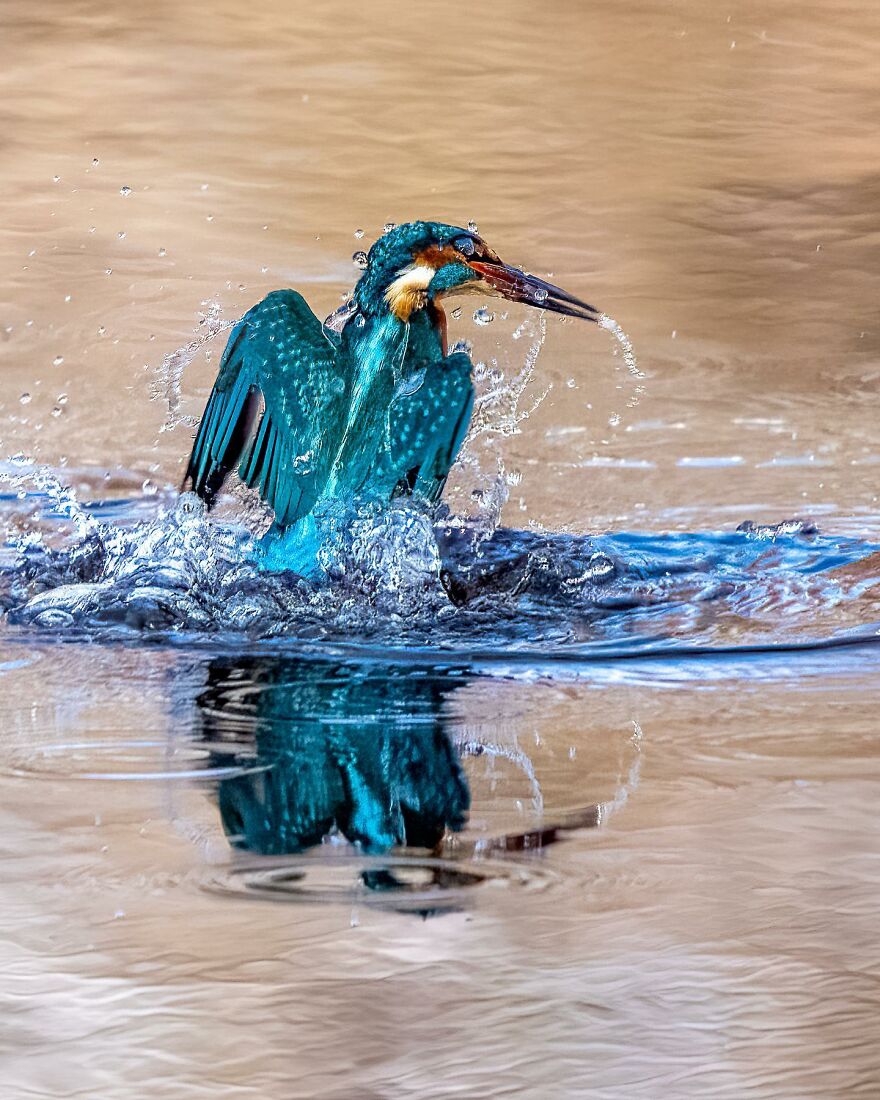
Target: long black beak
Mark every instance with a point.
(516, 285)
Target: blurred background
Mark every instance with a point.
(707, 176)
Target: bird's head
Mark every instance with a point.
(414, 266)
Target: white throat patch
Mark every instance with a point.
(407, 292)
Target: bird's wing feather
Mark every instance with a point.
(277, 357)
(427, 428)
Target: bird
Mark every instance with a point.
(369, 404)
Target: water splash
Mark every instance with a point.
(166, 385)
(771, 531)
(499, 405)
(183, 572)
(401, 577)
(629, 358)
(502, 405)
(629, 355)
(22, 473)
(404, 575)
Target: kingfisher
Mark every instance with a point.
(369, 404)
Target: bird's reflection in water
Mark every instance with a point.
(354, 753)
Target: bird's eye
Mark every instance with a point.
(465, 246)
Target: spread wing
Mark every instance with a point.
(427, 429)
(277, 409)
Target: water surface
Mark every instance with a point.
(646, 869)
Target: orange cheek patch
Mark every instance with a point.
(436, 257)
(407, 292)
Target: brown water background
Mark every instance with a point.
(708, 175)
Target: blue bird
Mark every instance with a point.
(367, 405)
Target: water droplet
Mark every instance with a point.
(66, 297)
(484, 316)
(614, 420)
(150, 488)
(456, 313)
(162, 252)
(108, 270)
(540, 295)
(209, 218)
(388, 226)
(62, 399)
(121, 235)
(95, 162)
(57, 410)
(92, 228)
(101, 330)
(265, 227)
(358, 233)
(360, 320)
(571, 383)
(125, 191)
(204, 187)
(599, 566)
(56, 179)
(359, 259)
(472, 227)
(25, 398)
(58, 360)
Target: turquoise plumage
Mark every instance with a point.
(362, 750)
(276, 354)
(367, 405)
